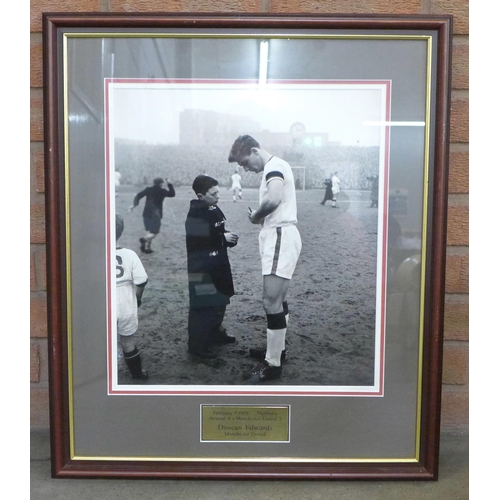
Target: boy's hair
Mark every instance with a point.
(242, 146)
(120, 224)
(158, 180)
(203, 183)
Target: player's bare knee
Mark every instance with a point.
(272, 305)
(127, 342)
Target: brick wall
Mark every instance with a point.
(455, 408)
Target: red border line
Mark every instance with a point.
(385, 216)
(243, 81)
(380, 391)
(108, 235)
(243, 393)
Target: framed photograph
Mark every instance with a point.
(246, 233)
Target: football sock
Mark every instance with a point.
(275, 343)
(287, 317)
(133, 360)
(285, 311)
(276, 332)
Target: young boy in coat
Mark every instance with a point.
(209, 271)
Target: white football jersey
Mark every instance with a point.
(236, 178)
(286, 213)
(335, 184)
(129, 273)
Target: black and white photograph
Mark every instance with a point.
(332, 136)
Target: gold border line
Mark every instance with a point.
(251, 459)
(423, 263)
(68, 35)
(245, 35)
(68, 249)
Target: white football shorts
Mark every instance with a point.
(279, 250)
(127, 320)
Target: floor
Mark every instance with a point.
(453, 483)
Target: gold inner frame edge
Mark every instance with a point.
(428, 38)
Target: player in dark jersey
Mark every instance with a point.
(153, 210)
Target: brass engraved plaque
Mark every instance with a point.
(245, 423)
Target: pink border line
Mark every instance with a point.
(109, 242)
(180, 392)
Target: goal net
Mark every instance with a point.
(299, 174)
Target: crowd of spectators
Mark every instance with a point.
(140, 163)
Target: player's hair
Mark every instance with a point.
(120, 224)
(158, 180)
(242, 146)
(203, 183)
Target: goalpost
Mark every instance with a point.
(299, 174)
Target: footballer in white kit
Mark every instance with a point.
(129, 273)
(131, 278)
(236, 185)
(279, 239)
(279, 244)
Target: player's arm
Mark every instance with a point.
(170, 192)
(139, 277)
(137, 198)
(139, 290)
(270, 202)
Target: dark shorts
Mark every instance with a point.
(152, 224)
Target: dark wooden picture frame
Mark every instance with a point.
(64, 293)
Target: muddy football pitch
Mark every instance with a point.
(332, 296)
